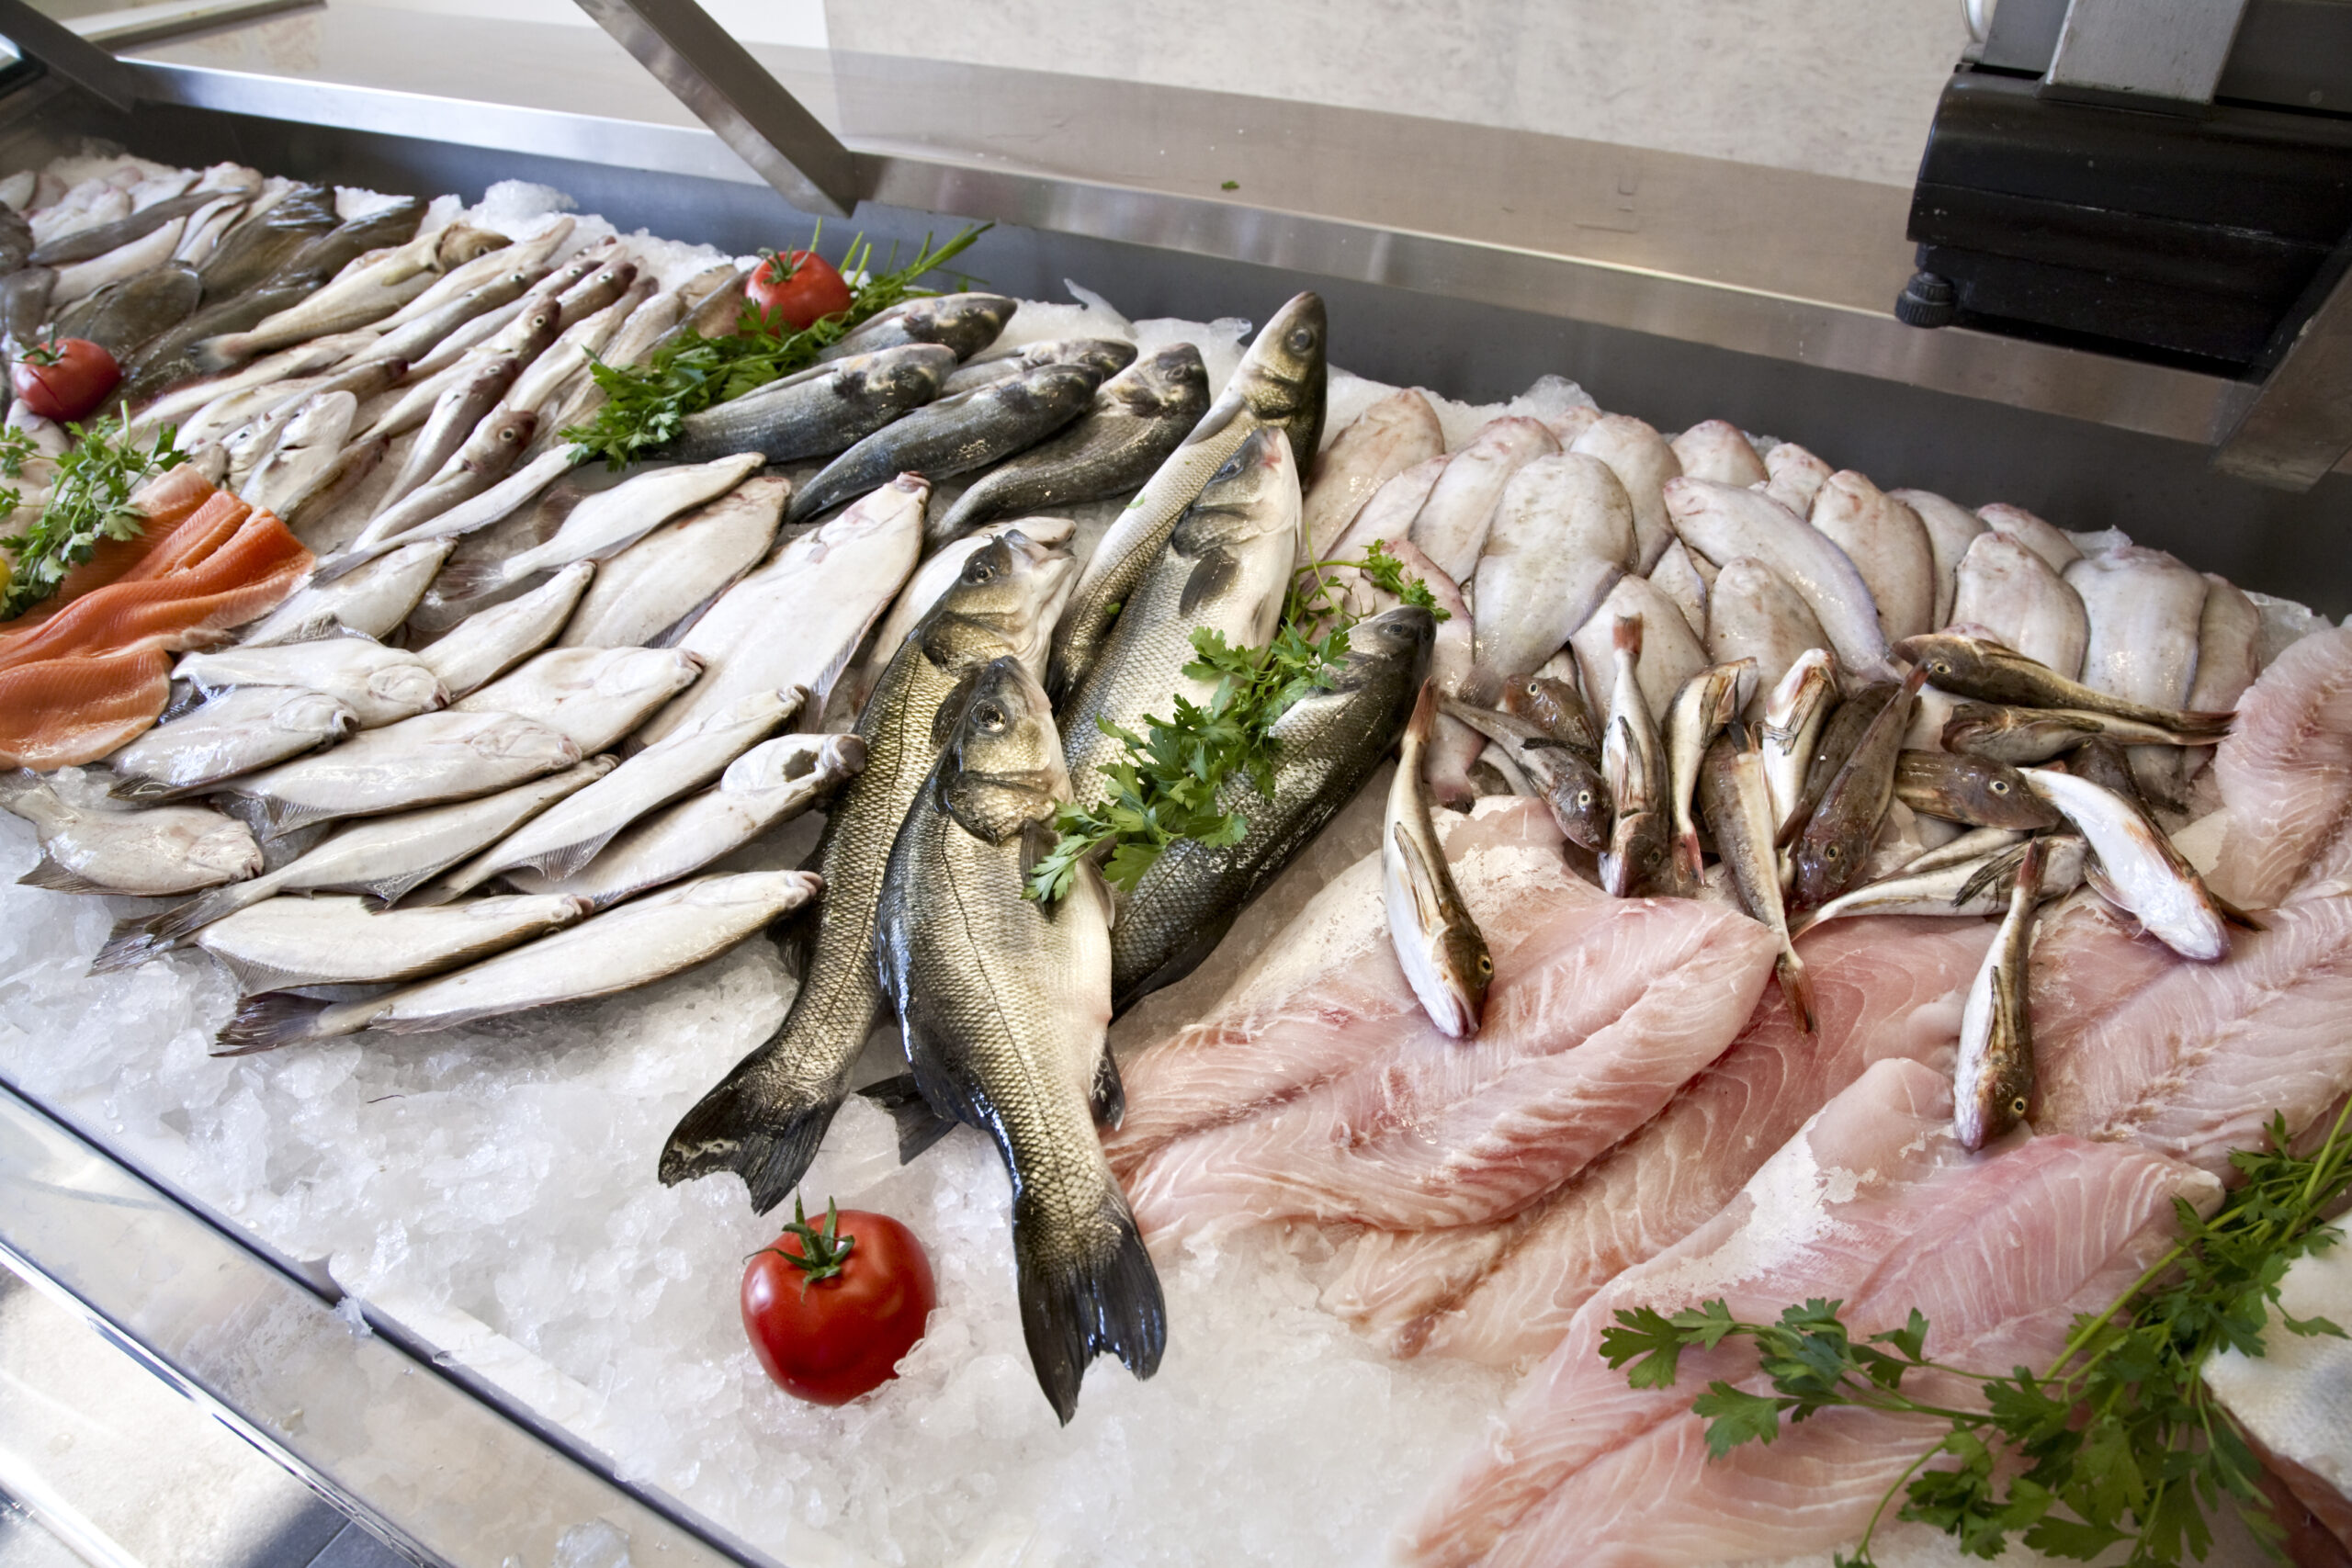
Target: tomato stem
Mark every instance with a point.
(823, 1251)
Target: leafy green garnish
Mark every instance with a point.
(1166, 785)
(645, 409)
(2120, 1441)
(89, 500)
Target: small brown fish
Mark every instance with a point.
(1703, 705)
(2021, 735)
(1969, 667)
(1971, 790)
(1558, 707)
(1993, 1079)
(1843, 731)
(2103, 762)
(1833, 851)
(1568, 784)
(1736, 802)
(1633, 763)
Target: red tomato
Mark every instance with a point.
(796, 289)
(832, 1308)
(65, 379)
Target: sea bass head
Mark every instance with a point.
(1245, 525)
(1005, 601)
(1168, 383)
(965, 322)
(904, 377)
(1284, 375)
(1005, 765)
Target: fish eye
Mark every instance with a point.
(1584, 800)
(2016, 1106)
(1833, 852)
(1999, 787)
(990, 718)
(1939, 667)
(1301, 339)
(1485, 966)
(979, 569)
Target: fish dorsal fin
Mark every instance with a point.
(1215, 572)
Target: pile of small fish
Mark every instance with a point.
(487, 750)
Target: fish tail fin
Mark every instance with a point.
(1796, 988)
(1625, 635)
(131, 943)
(1087, 1287)
(175, 925)
(919, 1125)
(771, 1152)
(470, 579)
(225, 352)
(344, 563)
(267, 1021)
(1417, 728)
(47, 874)
(1482, 687)
(1690, 862)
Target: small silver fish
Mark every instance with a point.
(1737, 805)
(380, 686)
(1633, 763)
(233, 734)
(1970, 889)
(1793, 716)
(610, 521)
(1704, 705)
(595, 696)
(651, 591)
(423, 761)
(88, 847)
(2139, 871)
(333, 941)
(1443, 953)
(371, 600)
(488, 643)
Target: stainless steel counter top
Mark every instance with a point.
(1791, 267)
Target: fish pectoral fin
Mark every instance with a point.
(951, 708)
(2011, 1018)
(919, 1126)
(1038, 840)
(1420, 883)
(1212, 575)
(47, 873)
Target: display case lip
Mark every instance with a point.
(1804, 269)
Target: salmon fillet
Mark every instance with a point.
(1327, 1094)
(1503, 1293)
(58, 713)
(167, 501)
(1873, 1203)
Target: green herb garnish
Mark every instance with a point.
(645, 409)
(2119, 1440)
(1166, 786)
(89, 500)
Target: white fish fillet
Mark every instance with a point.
(1502, 1293)
(1330, 1095)
(2285, 772)
(1874, 1204)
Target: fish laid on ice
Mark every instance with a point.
(1951, 530)
(234, 733)
(1281, 382)
(1225, 568)
(566, 837)
(1005, 1005)
(819, 415)
(453, 420)
(656, 583)
(610, 521)
(331, 941)
(1387, 518)
(488, 643)
(954, 436)
(1451, 527)
(380, 685)
(1724, 524)
(1387, 438)
(89, 847)
(1876, 1205)
(965, 323)
(2285, 775)
(2138, 870)
(1752, 615)
(1643, 463)
(1561, 538)
(1888, 544)
(1968, 667)
(372, 600)
(1501, 1293)
(1137, 420)
(1105, 355)
(307, 446)
(594, 695)
(2005, 588)
(423, 761)
(1436, 941)
(2042, 538)
(938, 573)
(653, 938)
(414, 340)
(764, 1120)
(382, 857)
(829, 585)
(771, 784)
(1330, 743)
(1599, 1011)
(1718, 450)
(1993, 1078)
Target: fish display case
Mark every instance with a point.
(415, 1303)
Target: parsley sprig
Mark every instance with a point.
(2119, 1440)
(1169, 783)
(646, 408)
(89, 500)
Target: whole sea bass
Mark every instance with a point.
(1137, 420)
(1005, 1004)
(1280, 382)
(765, 1118)
(1331, 742)
(1225, 569)
(818, 415)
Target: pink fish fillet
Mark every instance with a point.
(1504, 1293)
(1323, 1092)
(1874, 1204)
(2285, 774)
(2192, 1059)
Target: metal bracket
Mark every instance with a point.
(2146, 51)
(2290, 428)
(731, 92)
(70, 55)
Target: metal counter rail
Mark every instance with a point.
(431, 1466)
(1767, 262)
